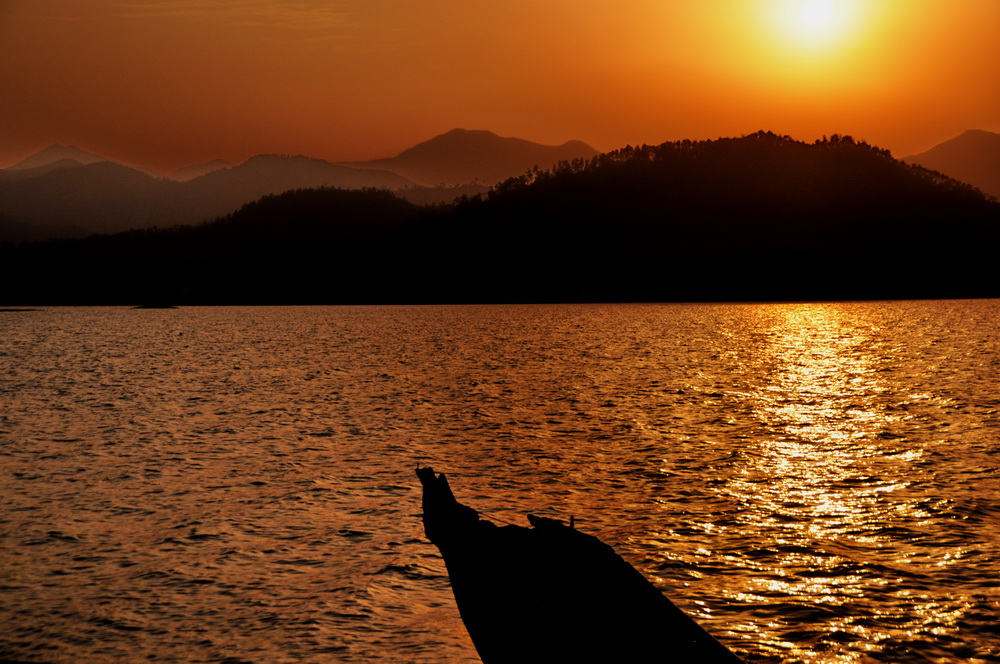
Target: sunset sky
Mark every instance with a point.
(166, 83)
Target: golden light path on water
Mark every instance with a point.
(817, 487)
(819, 367)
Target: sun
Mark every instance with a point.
(815, 24)
(817, 14)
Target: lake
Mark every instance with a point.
(811, 482)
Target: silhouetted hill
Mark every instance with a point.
(972, 157)
(56, 152)
(222, 191)
(311, 245)
(762, 217)
(41, 198)
(70, 153)
(106, 197)
(279, 173)
(464, 156)
(7, 175)
(186, 173)
(102, 196)
(758, 217)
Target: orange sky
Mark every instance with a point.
(165, 83)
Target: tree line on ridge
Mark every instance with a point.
(760, 217)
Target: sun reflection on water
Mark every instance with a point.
(824, 465)
(827, 489)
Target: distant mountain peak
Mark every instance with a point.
(463, 156)
(979, 139)
(476, 138)
(973, 157)
(979, 132)
(456, 139)
(57, 152)
(462, 131)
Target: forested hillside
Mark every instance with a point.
(761, 217)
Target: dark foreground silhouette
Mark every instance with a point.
(551, 593)
(761, 217)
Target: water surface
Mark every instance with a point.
(813, 482)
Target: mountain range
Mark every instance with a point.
(759, 217)
(63, 191)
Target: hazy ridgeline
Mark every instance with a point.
(65, 192)
(761, 217)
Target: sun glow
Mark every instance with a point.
(817, 14)
(816, 23)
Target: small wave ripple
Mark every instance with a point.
(813, 482)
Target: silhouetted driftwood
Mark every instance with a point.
(551, 593)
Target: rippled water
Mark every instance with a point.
(813, 482)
